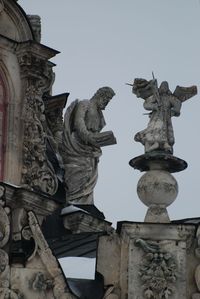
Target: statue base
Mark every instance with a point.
(158, 160)
(158, 214)
(157, 188)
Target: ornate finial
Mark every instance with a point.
(157, 188)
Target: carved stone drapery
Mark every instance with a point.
(81, 145)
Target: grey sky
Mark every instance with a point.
(108, 43)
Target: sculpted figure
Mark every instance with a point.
(163, 105)
(5, 291)
(82, 141)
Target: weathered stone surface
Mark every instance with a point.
(10, 26)
(163, 266)
(157, 189)
(158, 161)
(36, 26)
(19, 198)
(78, 222)
(37, 171)
(82, 140)
(156, 261)
(110, 268)
(197, 266)
(163, 104)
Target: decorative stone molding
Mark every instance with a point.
(60, 289)
(36, 71)
(4, 220)
(13, 23)
(197, 270)
(36, 68)
(54, 106)
(5, 290)
(158, 271)
(19, 199)
(80, 221)
(37, 172)
(4, 227)
(40, 282)
(160, 262)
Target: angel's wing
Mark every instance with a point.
(185, 93)
(142, 88)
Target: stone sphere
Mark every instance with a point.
(157, 187)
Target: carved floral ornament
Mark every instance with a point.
(37, 172)
(36, 67)
(157, 271)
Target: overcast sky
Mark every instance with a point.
(109, 43)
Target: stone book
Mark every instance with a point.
(106, 138)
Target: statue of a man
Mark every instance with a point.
(163, 105)
(82, 143)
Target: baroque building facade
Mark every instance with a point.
(153, 259)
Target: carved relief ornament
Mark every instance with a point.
(157, 271)
(197, 270)
(54, 277)
(4, 220)
(36, 71)
(37, 172)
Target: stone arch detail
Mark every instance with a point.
(14, 23)
(28, 73)
(10, 93)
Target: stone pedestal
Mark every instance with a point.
(149, 260)
(157, 188)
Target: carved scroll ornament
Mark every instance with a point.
(37, 172)
(55, 279)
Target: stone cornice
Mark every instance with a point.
(17, 197)
(155, 231)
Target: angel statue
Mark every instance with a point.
(163, 104)
(82, 142)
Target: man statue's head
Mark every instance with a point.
(103, 96)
